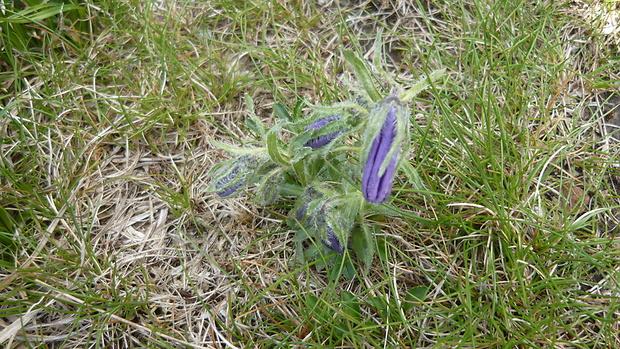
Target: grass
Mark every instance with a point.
(109, 239)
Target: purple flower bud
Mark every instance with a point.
(301, 211)
(229, 177)
(223, 182)
(320, 123)
(233, 175)
(231, 190)
(324, 139)
(332, 242)
(310, 194)
(268, 190)
(375, 186)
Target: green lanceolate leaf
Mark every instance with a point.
(350, 305)
(413, 176)
(274, 151)
(236, 150)
(422, 84)
(414, 296)
(298, 109)
(281, 113)
(362, 242)
(381, 305)
(253, 122)
(363, 75)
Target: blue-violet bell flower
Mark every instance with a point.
(378, 176)
(324, 139)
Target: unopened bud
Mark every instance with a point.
(322, 140)
(309, 195)
(382, 148)
(233, 177)
(322, 122)
(331, 240)
(268, 189)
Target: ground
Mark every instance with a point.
(111, 238)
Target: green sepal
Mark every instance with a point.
(226, 171)
(378, 58)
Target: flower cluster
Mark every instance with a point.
(339, 166)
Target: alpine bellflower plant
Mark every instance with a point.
(331, 193)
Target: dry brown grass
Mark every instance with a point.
(124, 248)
